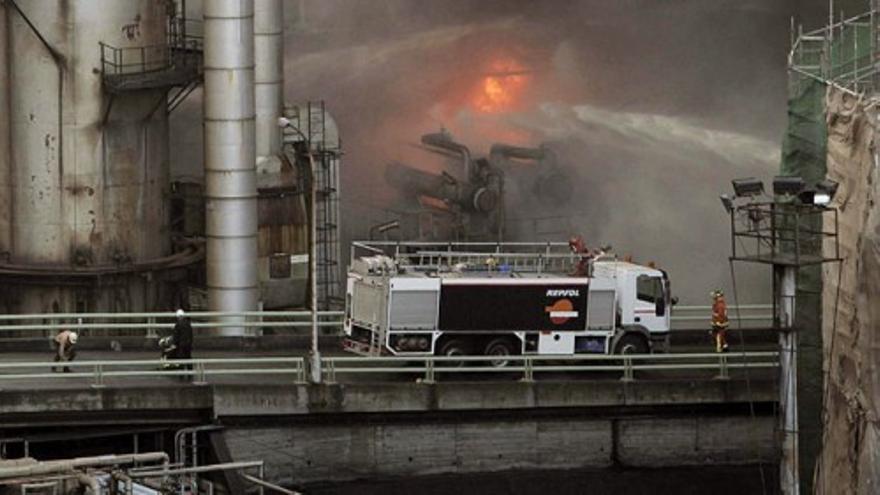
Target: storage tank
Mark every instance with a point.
(89, 166)
(5, 184)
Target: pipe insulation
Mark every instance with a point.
(268, 74)
(63, 466)
(230, 157)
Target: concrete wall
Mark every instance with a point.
(297, 454)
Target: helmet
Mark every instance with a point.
(180, 313)
(73, 337)
(717, 293)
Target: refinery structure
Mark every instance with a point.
(93, 219)
(238, 332)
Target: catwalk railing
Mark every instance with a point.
(747, 316)
(427, 369)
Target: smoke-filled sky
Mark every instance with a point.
(652, 105)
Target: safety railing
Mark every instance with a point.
(746, 316)
(428, 368)
(254, 323)
(425, 368)
(199, 371)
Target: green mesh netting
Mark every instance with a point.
(803, 154)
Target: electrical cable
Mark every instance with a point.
(751, 401)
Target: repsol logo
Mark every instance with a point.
(563, 292)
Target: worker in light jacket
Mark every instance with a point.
(65, 348)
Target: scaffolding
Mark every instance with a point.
(313, 143)
(843, 53)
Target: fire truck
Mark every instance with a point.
(500, 299)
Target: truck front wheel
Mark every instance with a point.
(631, 343)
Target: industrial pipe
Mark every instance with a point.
(89, 482)
(230, 157)
(66, 465)
(443, 140)
(510, 151)
(268, 75)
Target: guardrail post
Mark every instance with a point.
(199, 377)
(330, 371)
(723, 372)
(151, 331)
(99, 376)
(429, 371)
(627, 369)
(528, 370)
(301, 372)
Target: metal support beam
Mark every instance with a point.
(788, 466)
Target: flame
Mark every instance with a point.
(500, 90)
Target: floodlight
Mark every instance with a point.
(727, 201)
(791, 186)
(821, 199)
(827, 187)
(748, 186)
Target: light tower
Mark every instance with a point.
(793, 228)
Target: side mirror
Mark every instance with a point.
(674, 300)
(660, 307)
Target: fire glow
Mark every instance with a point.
(501, 88)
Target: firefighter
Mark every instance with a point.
(64, 344)
(578, 247)
(719, 321)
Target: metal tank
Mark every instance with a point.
(90, 169)
(5, 184)
(230, 156)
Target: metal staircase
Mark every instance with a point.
(177, 63)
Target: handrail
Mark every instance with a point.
(431, 366)
(428, 367)
(198, 369)
(682, 315)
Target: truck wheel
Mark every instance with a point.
(631, 344)
(501, 348)
(454, 347)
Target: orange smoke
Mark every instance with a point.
(501, 88)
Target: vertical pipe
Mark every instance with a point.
(230, 155)
(268, 74)
(5, 170)
(788, 467)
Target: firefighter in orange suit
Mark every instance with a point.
(719, 321)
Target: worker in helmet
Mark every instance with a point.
(577, 246)
(183, 338)
(65, 348)
(719, 321)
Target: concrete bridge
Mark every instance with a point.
(377, 417)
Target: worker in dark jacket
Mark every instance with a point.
(183, 338)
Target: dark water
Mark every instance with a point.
(724, 480)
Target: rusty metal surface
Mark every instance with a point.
(90, 178)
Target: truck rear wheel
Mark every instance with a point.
(501, 348)
(454, 347)
(631, 343)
